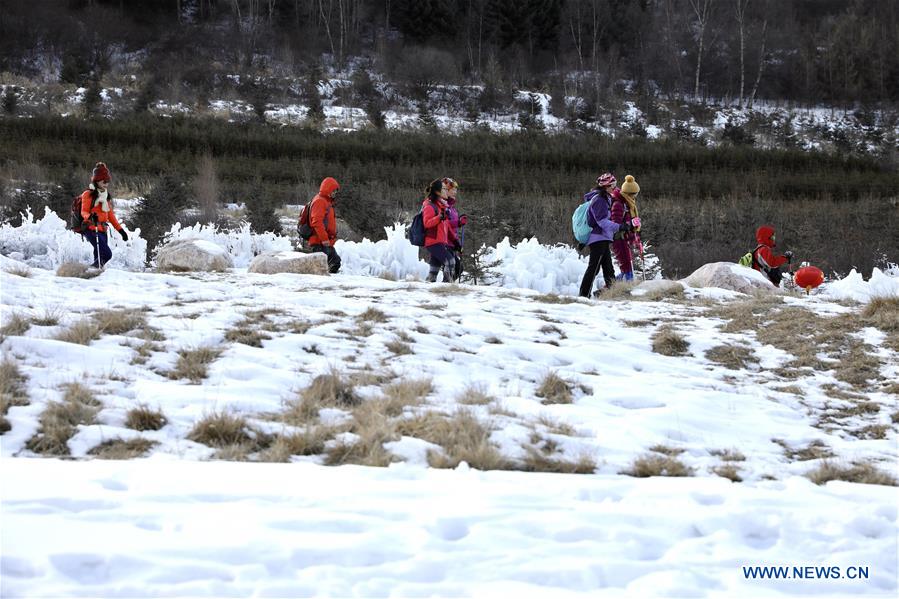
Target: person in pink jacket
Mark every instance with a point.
(434, 211)
(456, 222)
(624, 209)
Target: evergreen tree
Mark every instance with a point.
(261, 211)
(162, 208)
(92, 98)
(316, 113)
(426, 118)
(10, 99)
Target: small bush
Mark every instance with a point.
(462, 437)
(372, 429)
(193, 363)
(59, 420)
(144, 418)
(12, 390)
(857, 473)
(554, 390)
(668, 342)
(16, 326)
(325, 390)
(82, 332)
(399, 348)
(728, 471)
(402, 394)
(372, 315)
(119, 322)
(657, 465)
(77, 270)
(118, 449)
(734, 357)
(220, 429)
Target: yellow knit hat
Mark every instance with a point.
(629, 185)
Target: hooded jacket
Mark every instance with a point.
(436, 229)
(322, 218)
(92, 207)
(598, 216)
(763, 257)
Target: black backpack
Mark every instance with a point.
(305, 229)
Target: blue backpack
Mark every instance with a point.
(416, 231)
(580, 224)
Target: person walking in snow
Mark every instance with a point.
(603, 229)
(455, 222)
(763, 257)
(323, 221)
(434, 211)
(624, 209)
(97, 212)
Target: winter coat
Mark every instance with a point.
(436, 229)
(763, 257)
(598, 217)
(92, 209)
(620, 212)
(322, 218)
(452, 219)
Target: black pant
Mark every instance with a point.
(600, 254)
(331, 253)
(442, 259)
(100, 243)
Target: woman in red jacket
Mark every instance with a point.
(764, 259)
(624, 209)
(96, 211)
(323, 221)
(434, 212)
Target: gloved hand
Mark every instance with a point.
(625, 227)
(636, 222)
(463, 220)
(124, 234)
(788, 255)
(443, 215)
(94, 219)
(457, 246)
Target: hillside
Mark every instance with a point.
(516, 429)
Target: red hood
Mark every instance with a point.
(764, 234)
(328, 186)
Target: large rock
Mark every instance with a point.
(729, 275)
(184, 255)
(298, 263)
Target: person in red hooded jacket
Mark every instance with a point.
(435, 212)
(97, 212)
(763, 257)
(323, 221)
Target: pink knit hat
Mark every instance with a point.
(606, 179)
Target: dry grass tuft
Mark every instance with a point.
(310, 441)
(864, 473)
(657, 465)
(556, 427)
(77, 270)
(552, 298)
(666, 450)
(82, 332)
(420, 328)
(554, 390)
(668, 342)
(372, 429)
(221, 429)
(144, 418)
(372, 315)
(728, 455)
(620, 290)
(19, 270)
(298, 327)
(494, 340)
(16, 326)
(728, 471)
(402, 394)
(474, 395)
(536, 460)
(550, 329)
(326, 390)
(399, 348)
(882, 313)
(815, 450)
(49, 318)
(450, 289)
(118, 449)
(193, 363)
(12, 390)
(245, 334)
(119, 322)
(60, 418)
(872, 431)
(663, 293)
(734, 357)
(461, 435)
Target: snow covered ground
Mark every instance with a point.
(185, 520)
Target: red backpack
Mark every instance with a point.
(76, 223)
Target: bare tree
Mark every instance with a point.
(740, 14)
(762, 61)
(703, 11)
(207, 188)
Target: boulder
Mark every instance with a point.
(185, 255)
(729, 275)
(298, 263)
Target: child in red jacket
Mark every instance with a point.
(434, 212)
(763, 257)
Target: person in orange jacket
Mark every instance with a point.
(323, 221)
(763, 257)
(97, 212)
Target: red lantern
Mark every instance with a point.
(808, 277)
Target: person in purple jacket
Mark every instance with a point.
(603, 231)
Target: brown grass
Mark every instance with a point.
(461, 435)
(298, 327)
(667, 450)
(82, 332)
(49, 318)
(399, 348)
(872, 431)
(119, 322)
(620, 290)
(728, 471)
(673, 292)
(474, 395)
(326, 390)
(554, 390)
(221, 429)
(864, 473)
(59, 420)
(144, 418)
(657, 465)
(245, 333)
(556, 427)
(734, 357)
(402, 394)
(419, 328)
(492, 339)
(373, 429)
(118, 449)
(728, 455)
(536, 460)
(12, 390)
(813, 451)
(372, 315)
(77, 270)
(449, 289)
(16, 326)
(193, 364)
(19, 271)
(668, 342)
(311, 441)
(553, 298)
